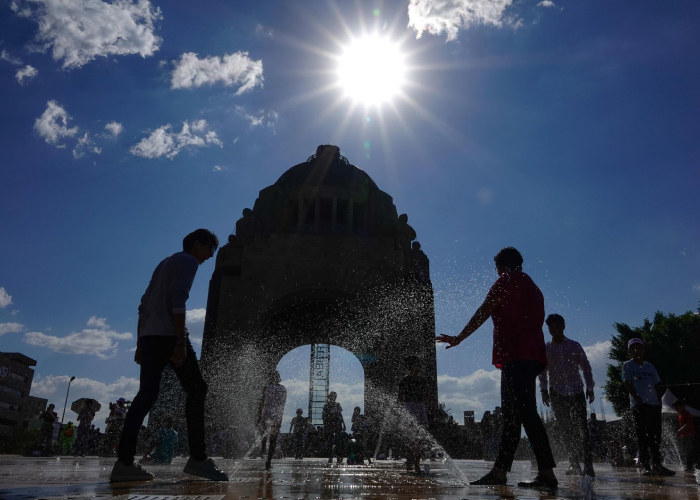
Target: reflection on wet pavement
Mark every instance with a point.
(77, 478)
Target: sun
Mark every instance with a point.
(371, 70)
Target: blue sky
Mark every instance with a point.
(564, 128)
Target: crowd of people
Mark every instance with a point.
(516, 306)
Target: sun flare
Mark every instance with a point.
(371, 70)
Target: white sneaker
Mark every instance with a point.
(126, 473)
(205, 468)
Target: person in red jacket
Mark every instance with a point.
(686, 435)
(516, 306)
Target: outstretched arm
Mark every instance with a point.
(486, 309)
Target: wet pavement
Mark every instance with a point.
(78, 478)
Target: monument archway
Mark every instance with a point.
(346, 378)
(322, 257)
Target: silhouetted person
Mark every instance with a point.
(360, 433)
(297, 428)
(565, 359)
(47, 428)
(161, 449)
(66, 438)
(642, 382)
(413, 394)
(516, 306)
(686, 436)
(163, 339)
(333, 426)
(270, 415)
(85, 417)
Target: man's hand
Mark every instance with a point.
(638, 399)
(137, 356)
(448, 339)
(545, 398)
(590, 396)
(179, 355)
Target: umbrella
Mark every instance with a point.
(78, 404)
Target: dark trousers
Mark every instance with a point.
(647, 422)
(570, 412)
(688, 452)
(332, 438)
(270, 433)
(519, 406)
(298, 445)
(156, 352)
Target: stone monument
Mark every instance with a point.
(322, 257)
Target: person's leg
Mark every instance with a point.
(526, 406)
(274, 432)
(582, 443)
(510, 436)
(640, 427)
(583, 437)
(563, 409)
(155, 353)
(655, 434)
(195, 388)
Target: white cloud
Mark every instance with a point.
(85, 146)
(436, 16)
(219, 168)
(27, 72)
(164, 142)
(78, 31)
(53, 388)
(262, 118)
(546, 3)
(99, 340)
(10, 328)
(5, 298)
(479, 391)
(5, 56)
(233, 69)
(53, 124)
(97, 322)
(264, 31)
(598, 353)
(196, 315)
(114, 128)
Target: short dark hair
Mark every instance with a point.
(678, 402)
(555, 318)
(509, 258)
(204, 236)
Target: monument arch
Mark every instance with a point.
(322, 257)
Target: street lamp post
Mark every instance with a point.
(64, 404)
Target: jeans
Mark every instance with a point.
(298, 441)
(519, 406)
(647, 422)
(156, 352)
(570, 412)
(270, 430)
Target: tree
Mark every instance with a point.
(672, 346)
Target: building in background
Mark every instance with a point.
(16, 377)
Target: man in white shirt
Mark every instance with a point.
(565, 359)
